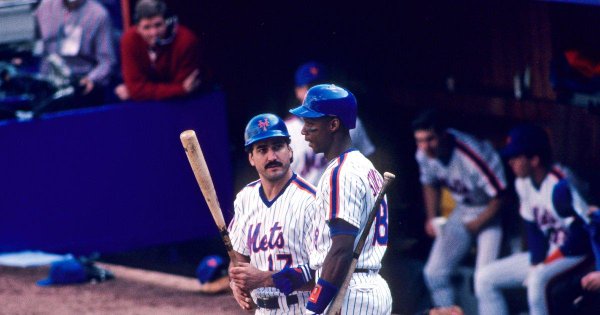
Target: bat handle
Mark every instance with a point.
(228, 246)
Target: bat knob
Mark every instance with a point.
(388, 175)
(187, 135)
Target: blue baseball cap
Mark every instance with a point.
(67, 271)
(329, 100)
(211, 268)
(264, 126)
(527, 139)
(309, 73)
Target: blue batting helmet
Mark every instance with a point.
(211, 268)
(310, 73)
(264, 126)
(328, 100)
(527, 139)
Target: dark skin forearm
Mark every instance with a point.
(338, 260)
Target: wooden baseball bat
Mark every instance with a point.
(336, 305)
(202, 174)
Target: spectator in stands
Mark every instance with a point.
(79, 34)
(160, 58)
(306, 163)
(551, 208)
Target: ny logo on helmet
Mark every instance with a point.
(263, 124)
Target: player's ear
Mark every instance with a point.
(250, 160)
(334, 124)
(292, 154)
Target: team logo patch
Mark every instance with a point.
(263, 124)
(314, 295)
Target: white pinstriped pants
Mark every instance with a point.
(451, 246)
(368, 293)
(510, 272)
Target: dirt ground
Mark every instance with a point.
(127, 294)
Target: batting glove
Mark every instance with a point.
(289, 280)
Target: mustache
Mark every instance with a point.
(274, 164)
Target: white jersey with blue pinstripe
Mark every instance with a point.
(348, 190)
(473, 175)
(275, 233)
(537, 206)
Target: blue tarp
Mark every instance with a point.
(110, 178)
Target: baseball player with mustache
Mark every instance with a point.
(271, 228)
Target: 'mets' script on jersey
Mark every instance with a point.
(276, 233)
(537, 204)
(473, 175)
(348, 190)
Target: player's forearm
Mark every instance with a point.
(338, 260)
(267, 279)
(491, 211)
(431, 198)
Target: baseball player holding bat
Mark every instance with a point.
(346, 193)
(272, 226)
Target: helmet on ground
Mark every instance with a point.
(262, 127)
(211, 268)
(328, 100)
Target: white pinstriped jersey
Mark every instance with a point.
(536, 205)
(275, 233)
(310, 165)
(473, 175)
(348, 190)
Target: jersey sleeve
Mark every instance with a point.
(346, 194)
(568, 202)
(236, 226)
(426, 169)
(580, 206)
(492, 178)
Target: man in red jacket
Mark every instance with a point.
(160, 58)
